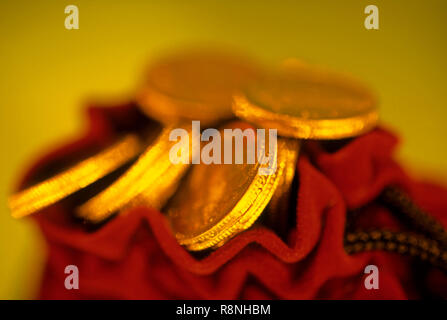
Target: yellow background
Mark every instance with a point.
(47, 73)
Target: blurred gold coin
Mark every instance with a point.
(217, 201)
(305, 102)
(196, 85)
(77, 177)
(151, 180)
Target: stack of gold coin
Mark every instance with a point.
(306, 102)
(150, 180)
(208, 204)
(200, 86)
(217, 201)
(196, 85)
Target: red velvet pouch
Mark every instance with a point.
(135, 256)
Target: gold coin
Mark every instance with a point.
(75, 178)
(196, 85)
(217, 201)
(150, 180)
(308, 103)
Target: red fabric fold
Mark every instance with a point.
(135, 256)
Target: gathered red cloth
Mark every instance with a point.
(135, 255)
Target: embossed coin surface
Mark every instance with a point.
(217, 201)
(196, 85)
(308, 103)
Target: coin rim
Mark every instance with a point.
(294, 127)
(75, 178)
